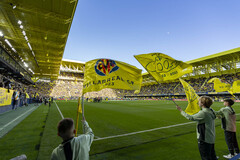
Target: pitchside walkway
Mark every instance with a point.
(10, 119)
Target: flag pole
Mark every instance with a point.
(80, 106)
(76, 127)
(174, 102)
(173, 95)
(83, 106)
(83, 117)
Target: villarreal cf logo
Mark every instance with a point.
(104, 67)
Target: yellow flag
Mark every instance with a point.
(163, 67)
(79, 105)
(219, 86)
(192, 98)
(107, 73)
(5, 97)
(235, 87)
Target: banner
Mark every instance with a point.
(219, 86)
(192, 98)
(5, 97)
(107, 73)
(163, 67)
(235, 87)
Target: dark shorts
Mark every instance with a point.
(15, 102)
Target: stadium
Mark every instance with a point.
(126, 124)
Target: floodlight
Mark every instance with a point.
(29, 45)
(25, 64)
(33, 54)
(8, 43)
(26, 38)
(24, 33)
(14, 50)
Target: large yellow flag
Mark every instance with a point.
(107, 73)
(192, 98)
(219, 86)
(163, 67)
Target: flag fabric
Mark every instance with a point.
(163, 67)
(107, 73)
(235, 87)
(79, 105)
(219, 86)
(192, 98)
(27, 96)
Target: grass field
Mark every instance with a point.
(36, 136)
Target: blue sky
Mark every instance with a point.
(182, 29)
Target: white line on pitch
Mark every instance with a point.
(59, 110)
(149, 130)
(15, 119)
(97, 137)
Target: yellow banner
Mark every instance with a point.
(219, 86)
(235, 87)
(5, 97)
(107, 73)
(163, 67)
(192, 98)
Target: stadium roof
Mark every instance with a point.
(35, 32)
(72, 66)
(73, 61)
(226, 55)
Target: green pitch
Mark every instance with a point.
(36, 136)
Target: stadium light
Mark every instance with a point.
(21, 26)
(33, 54)
(24, 33)
(29, 45)
(8, 43)
(30, 70)
(14, 50)
(19, 22)
(26, 38)
(25, 64)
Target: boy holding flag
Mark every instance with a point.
(205, 128)
(73, 148)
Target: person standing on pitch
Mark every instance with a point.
(228, 116)
(205, 128)
(73, 148)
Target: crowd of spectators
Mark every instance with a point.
(72, 89)
(67, 88)
(21, 95)
(200, 85)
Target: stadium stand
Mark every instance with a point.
(31, 55)
(70, 80)
(37, 65)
